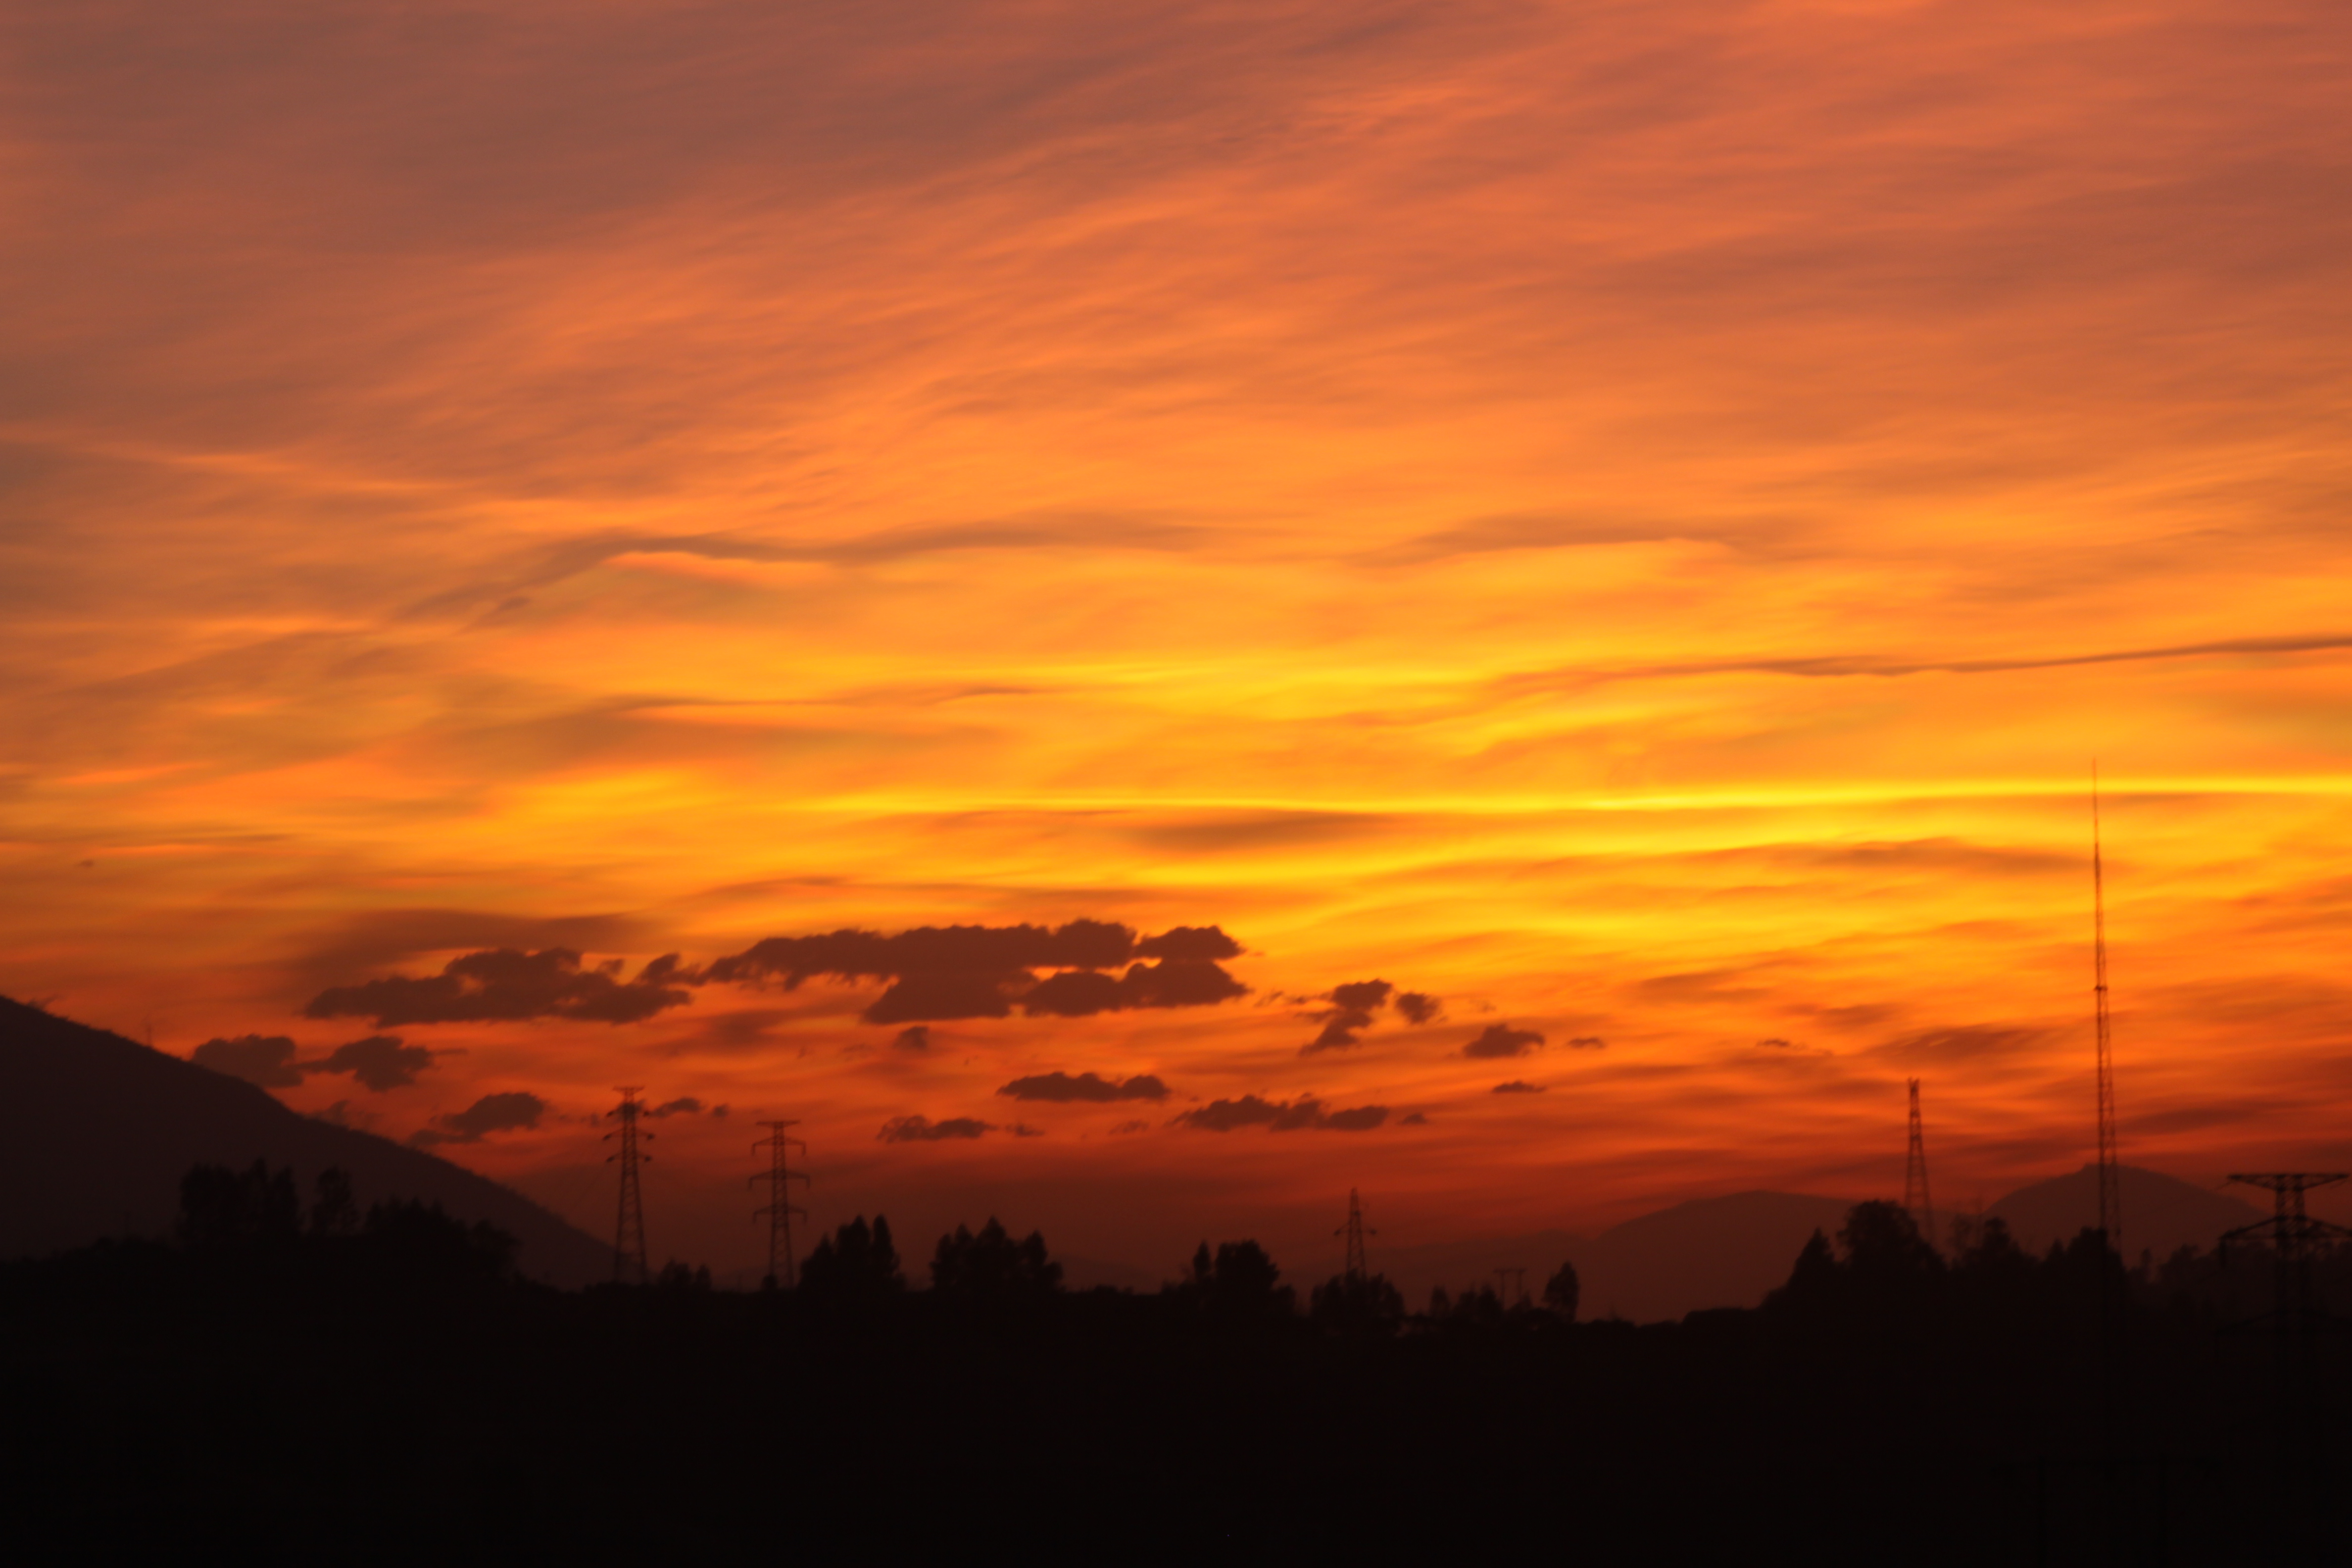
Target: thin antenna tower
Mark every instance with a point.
(629, 1234)
(1915, 1174)
(779, 1211)
(2111, 1201)
(1357, 1270)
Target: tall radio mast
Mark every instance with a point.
(2111, 1203)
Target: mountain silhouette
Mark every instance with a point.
(107, 1127)
(2161, 1213)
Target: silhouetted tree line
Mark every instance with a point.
(291, 1369)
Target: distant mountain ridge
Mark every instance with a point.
(107, 1127)
(1730, 1251)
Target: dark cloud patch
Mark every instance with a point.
(1086, 1086)
(381, 1062)
(267, 1060)
(1285, 1116)
(1352, 1006)
(1414, 1118)
(1188, 942)
(502, 985)
(923, 1130)
(914, 1037)
(683, 1105)
(382, 937)
(983, 972)
(1517, 1086)
(513, 1111)
(1125, 1128)
(1416, 1006)
(1775, 1044)
(950, 995)
(1588, 1043)
(1502, 1040)
(1338, 1029)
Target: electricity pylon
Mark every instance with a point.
(629, 1233)
(1915, 1176)
(1357, 1270)
(780, 1209)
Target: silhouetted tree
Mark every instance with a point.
(1240, 1283)
(856, 1263)
(335, 1211)
(424, 1242)
(1813, 1282)
(1882, 1242)
(1358, 1305)
(1562, 1291)
(676, 1276)
(221, 1207)
(991, 1265)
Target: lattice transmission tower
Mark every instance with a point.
(1357, 1270)
(629, 1233)
(779, 1210)
(1915, 1174)
(2295, 1240)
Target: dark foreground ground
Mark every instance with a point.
(392, 1396)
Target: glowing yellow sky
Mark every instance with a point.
(1633, 520)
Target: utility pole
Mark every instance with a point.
(1915, 1176)
(779, 1211)
(1357, 1270)
(629, 1234)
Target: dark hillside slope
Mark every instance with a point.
(104, 1128)
(2161, 1212)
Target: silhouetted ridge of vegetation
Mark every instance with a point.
(286, 1373)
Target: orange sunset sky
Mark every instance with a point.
(1632, 522)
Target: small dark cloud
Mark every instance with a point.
(1085, 1087)
(1775, 1044)
(1338, 1029)
(1417, 1007)
(719, 1111)
(983, 972)
(1587, 1043)
(685, 1105)
(511, 1111)
(1191, 943)
(502, 984)
(1352, 1006)
(381, 1062)
(914, 1037)
(1517, 1086)
(267, 1060)
(1502, 1040)
(1126, 1127)
(1022, 1129)
(923, 1130)
(1285, 1116)
(1415, 1119)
